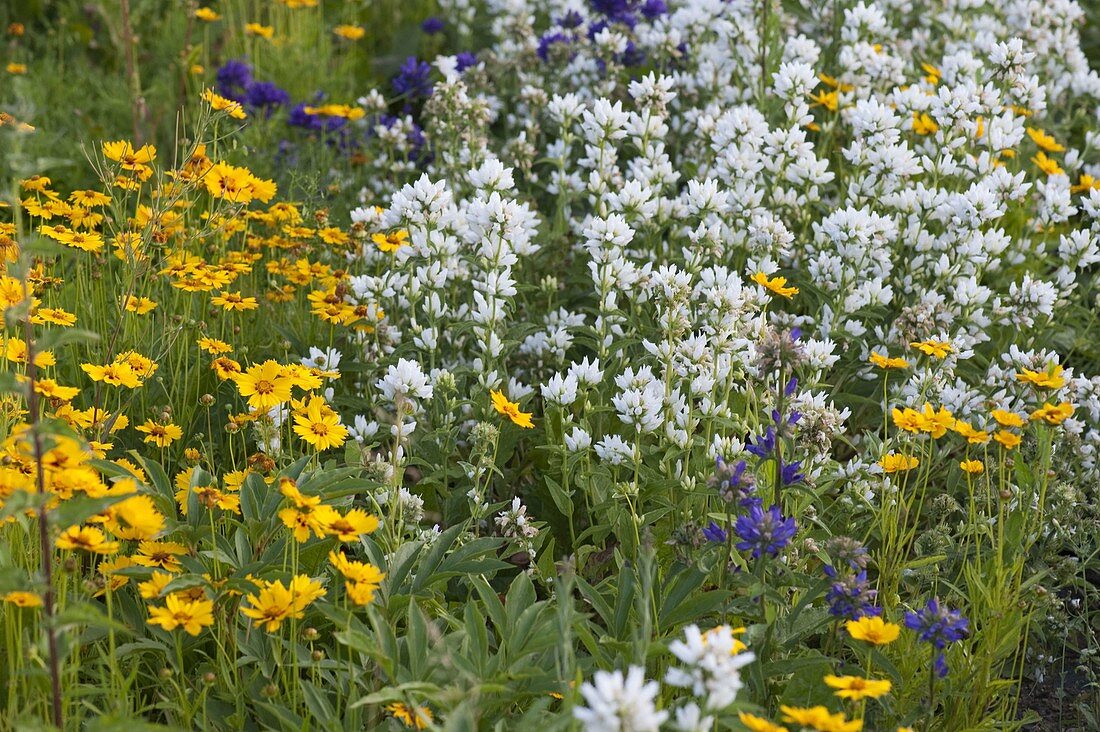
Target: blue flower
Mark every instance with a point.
(764, 532)
(762, 446)
(464, 61)
(432, 25)
(715, 533)
(233, 79)
(851, 596)
(265, 95)
(549, 39)
(570, 20)
(939, 625)
(413, 79)
(789, 474)
(654, 9)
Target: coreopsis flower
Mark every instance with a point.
(390, 243)
(1046, 164)
(1008, 440)
(50, 389)
(819, 718)
(234, 301)
(1052, 379)
(873, 629)
(153, 588)
(220, 104)
(123, 153)
(192, 616)
(894, 463)
(113, 374)
(886, 362)
(160, 554)
(207, 14)
(350, 32)
(1044, 140)
(214, 346)
(135, 518)
(352, 525)
(936, 349)
(758, 724)
(319, 425)
(53, 316)
(939, 625)
(271, 607)
(20, 598)
(226, 368)
(973, 467)
(266, 32)
(775, 285)
(86, 539)
(161, 435)
(1053, 414)
(923, 124)
(1007, 419)
(265, 385)
(415, 717)
(973, 436)
(511, 410)
(936, 422)
(618, 702)
(857, 687)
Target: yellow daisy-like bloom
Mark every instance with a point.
(973, 436)
(214, 346)
(414, 717)
(936, 422)
(1007, 439)
(857, 687)
(936, 349)
(220, 104)
(234, 301)
(53, 316)
(113, 374)
(352, 525)
(775, 285)
(1044, 141)
(390, 243)
(1007, 419)
(265, 385)
(974, 467)
(86, 539)
(275, 602)
(907, 419)
(885, 362)
(923, 124)
(16, 69)
(23, 599)
(255, 29)
(350, 32)
(1051, 379)
(1053, 414)
(873, 629)
(1046, 164)
(893, 463)
(758, 724)
(161, 435)
(123, 152)
(319, 426)
(179, 613)
(160, 554)
(819, 718)
(136, 518)
(511, 410)
(207, 14)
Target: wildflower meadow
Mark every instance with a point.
(603, 365)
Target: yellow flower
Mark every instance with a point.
(179, 613)
(873, 629)
(152, 588)
(973, 436)
(923, 124)
(86, 539)
(350, 32)
(113, 374)
(123, 152)
(1053, 414)
(1047, 165)
(936, 422)
(1008, 439)
(908, 419)
(857, 687)
(897, 463)
(819, 718)
(1045, 141)
(232, 301)
(936, 349)
(390, 243)
(161, 435)
(220, 104)
(16, 69)
(160, 554)
(264, 385)
(511, 410)
(214, 346)
(255, 29)
(207, 14)
(1007, 419)
(418, 717)
(319, 426)
(974, 467)
(776, 285)
(352, 525)
(828, 99)
(1085, 183)
(932, 73)
(1052, 379)
(23, 599)
(276, 602)
(885, 362)
(758, 724)
(53, 316)
(136, 518)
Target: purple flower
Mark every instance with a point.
(464, 61)
(571, 20)
(715, 533)
(791, 386)
(939, 625)
(732, 483)
(789, 474)
(762, 446)
(233, 79)
(851, 596)
(549, 39)
(432, 25)
(617, 11)
(764, 532)
(413, 79)
(265, 95)
(654, 9)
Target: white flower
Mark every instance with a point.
(618, 703)
(711, 666)
(405, 379)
